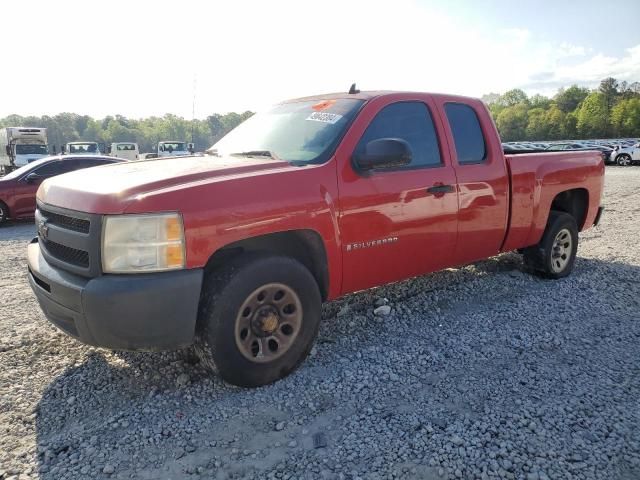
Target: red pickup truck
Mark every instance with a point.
(234, 251)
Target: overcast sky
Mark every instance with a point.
(141, 58)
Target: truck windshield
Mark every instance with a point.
(31, 150)
(83, 148)
(305, 131)
(172, 147)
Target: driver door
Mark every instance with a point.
(399, 222)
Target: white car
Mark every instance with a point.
(625, 156)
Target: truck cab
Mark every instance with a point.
(81, 148)
(21, 145)
(127, 150)
(174, 148)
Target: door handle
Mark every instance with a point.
(440, 189)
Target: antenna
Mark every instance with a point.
(193, 109)
(353, 90)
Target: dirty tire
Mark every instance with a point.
(4, 213)
(540, 258)
(226, 290)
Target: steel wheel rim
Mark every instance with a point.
(561, 251)
(268, 323)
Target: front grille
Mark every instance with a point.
(70, 255)
(70, 223)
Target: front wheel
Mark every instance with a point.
(556, 253)
(4, 213)
(258, 319)
(623, 160)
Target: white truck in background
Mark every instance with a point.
(21, 145)
(81, 148)
(126, 150)
(173, 149)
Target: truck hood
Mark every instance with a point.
(110, 189)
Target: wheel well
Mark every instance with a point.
(574, 202)
(306, 246)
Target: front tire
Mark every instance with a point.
(259, 316)
(4, 213)
(555, 255)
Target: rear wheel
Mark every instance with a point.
(623, 160)
(555, 255)
(258, 319)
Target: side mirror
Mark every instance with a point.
(383, 153)
(7, 149)
(32, 178)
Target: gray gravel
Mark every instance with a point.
(477, 372)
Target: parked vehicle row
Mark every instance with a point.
(22, 145)
(622, 152)
(315, 198)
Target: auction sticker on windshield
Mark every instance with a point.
(324, 117)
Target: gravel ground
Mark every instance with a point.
(477, 372)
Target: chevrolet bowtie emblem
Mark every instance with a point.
(43, 229)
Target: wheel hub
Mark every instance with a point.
(561, 251)
(268, 322)
(265, 321)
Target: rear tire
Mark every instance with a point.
(555, 255)
(624, 160)
(259, 316)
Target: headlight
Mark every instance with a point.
(142, 243)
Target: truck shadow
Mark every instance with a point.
(121, 408)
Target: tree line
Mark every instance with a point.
(70, 127)
(610, 111)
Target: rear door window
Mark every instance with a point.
(467, 133)
(411, 122)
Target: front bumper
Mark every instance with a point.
(149, 312)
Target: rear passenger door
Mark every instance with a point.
(483, 182)
(392, 225)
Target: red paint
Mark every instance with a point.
(499, 205)
(19, 197)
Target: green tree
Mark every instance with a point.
(625, 118)
(609, 90)
(512, 123)
(513, 97)
(593, 116)
(569, 99)
(540, 101)
(537, 127)
(555, 121)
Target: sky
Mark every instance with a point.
(137, 59)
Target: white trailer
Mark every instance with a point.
(21, 145)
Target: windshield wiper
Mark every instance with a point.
(256, 153)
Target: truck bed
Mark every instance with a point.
(537, 178)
